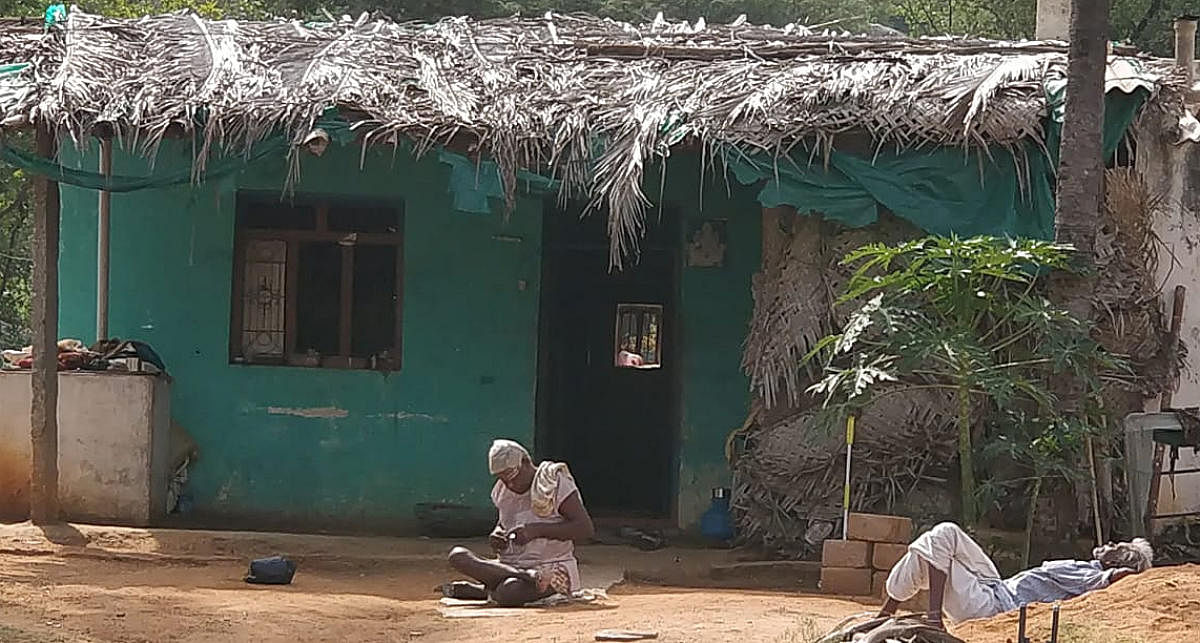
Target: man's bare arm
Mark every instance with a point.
(577, 526)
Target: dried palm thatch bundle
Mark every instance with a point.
(792, 304)
(1129, 317)
(791, 471)
(869, 628)
(795, 302)
(21, 39)
(592, 102)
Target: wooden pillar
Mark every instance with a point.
(43, 498)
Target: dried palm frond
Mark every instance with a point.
(792, 468)
(1129, 317)
(795, 303)
(542, 94)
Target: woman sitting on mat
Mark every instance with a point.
(541, 517)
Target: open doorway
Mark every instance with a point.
(608, 367)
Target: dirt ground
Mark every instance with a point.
(100, 584)
(108, 584)
(1158, 606)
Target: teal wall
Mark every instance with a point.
(417, 435)
(470, 342)
(716, 307)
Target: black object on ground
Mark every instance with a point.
(275, 570)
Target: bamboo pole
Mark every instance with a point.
(846, 486)
(102, 243)
(1091, 456)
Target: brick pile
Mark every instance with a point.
(860, 565)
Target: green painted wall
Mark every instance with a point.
(469, 343)
(716, 308)
(417, 435)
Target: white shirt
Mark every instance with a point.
(516, 510)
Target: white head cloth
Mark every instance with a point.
(505, 455)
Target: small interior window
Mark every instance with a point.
(638, 336)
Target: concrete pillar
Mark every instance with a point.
(1185, 46)
(1053, 20)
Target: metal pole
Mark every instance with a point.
(1021, 625)
(102, 244)
(846, 487)
(1054, 625)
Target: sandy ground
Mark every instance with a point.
(1158, 606)
(109, 584)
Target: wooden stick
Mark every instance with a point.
(1091, 455)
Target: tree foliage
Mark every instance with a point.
(16, 226)
(968, 316)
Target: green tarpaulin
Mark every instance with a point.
(337, 130)
(473, 185)
(118, 184)
(993, 192)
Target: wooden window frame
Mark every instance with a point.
(348, 241)
(641, 310)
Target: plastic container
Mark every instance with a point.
(717, 524)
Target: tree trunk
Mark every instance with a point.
(966, 458)
(1034, 494)
(43, 497)
(1080, 189)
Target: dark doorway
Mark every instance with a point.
(608, 372)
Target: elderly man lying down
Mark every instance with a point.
(964, 582)
(541, 517)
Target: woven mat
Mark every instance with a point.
(586, 599)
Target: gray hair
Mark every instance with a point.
(1137, 555)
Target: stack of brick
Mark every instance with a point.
(859, 566)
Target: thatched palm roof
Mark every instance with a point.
(592, 101)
